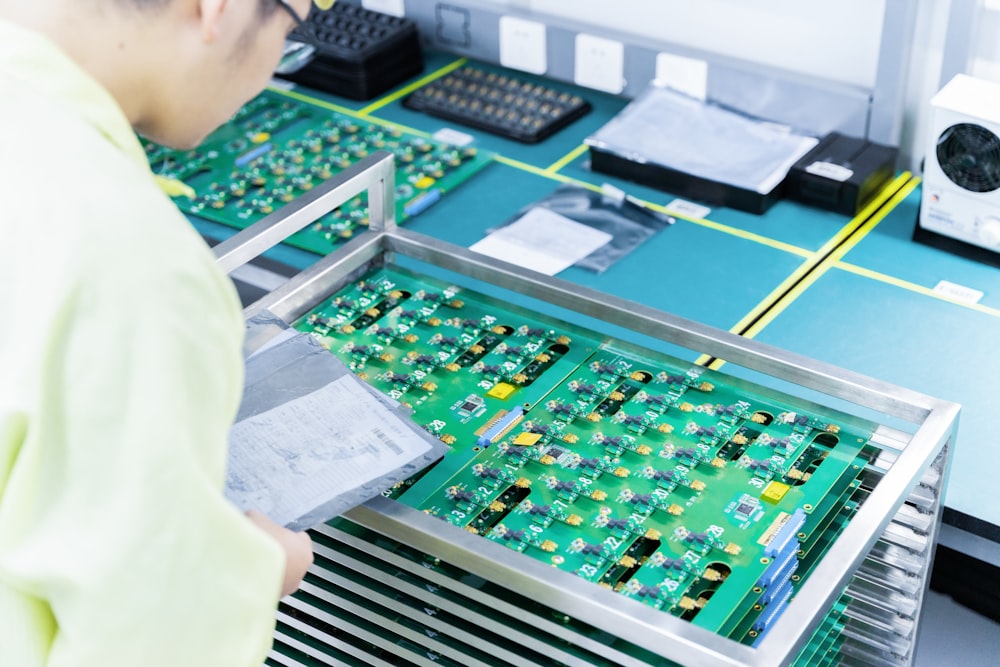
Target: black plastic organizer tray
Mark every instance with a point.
(499, 103)
(359, 53)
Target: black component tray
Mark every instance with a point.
(502, 104)
(359, 53)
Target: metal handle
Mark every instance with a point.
(376, 174)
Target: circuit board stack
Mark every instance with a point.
(278, 147)
(688, 491)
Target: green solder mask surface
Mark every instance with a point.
(663, 481)
(276, 148)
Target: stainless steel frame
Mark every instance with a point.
(916, 462)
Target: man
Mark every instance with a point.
(120, 343)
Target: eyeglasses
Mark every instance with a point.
(297, 53)
(300, 22)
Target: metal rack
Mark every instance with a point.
(413, 591)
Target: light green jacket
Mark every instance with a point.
(120, 373)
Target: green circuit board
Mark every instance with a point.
(277, 147)
(691, 491)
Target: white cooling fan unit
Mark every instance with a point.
(961, 188)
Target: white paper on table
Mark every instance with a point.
(543, 241)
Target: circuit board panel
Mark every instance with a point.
(690, 491)
(277, 147)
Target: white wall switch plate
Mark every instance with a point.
(600, 63)
(522, 45)
(685, 75)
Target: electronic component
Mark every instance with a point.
(744, 509)
(470, 405)
(698, 149)
(500, 425)
(353, 52)
(513, 107)
(782, 535)
(656, 515)
(511, 553)
(278, 147)
(841, 173)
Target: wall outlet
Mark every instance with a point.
(522, 45)
(599, 63)
(685, 75)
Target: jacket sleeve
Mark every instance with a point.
(124, 531)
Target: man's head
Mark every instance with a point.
(178, 68)
(225, 52)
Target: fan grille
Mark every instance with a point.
(969, 155)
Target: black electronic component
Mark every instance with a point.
(699, 150)
(499, 103)
(841, 173)
(648, 172)
(356, 53)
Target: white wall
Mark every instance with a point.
(986, 43)
(838, 41)
(924, 79)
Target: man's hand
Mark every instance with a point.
(297, 547)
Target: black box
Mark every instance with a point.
(681, 183)
(698, 149)
(841, 174)
(359, 53)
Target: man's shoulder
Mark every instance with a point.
(97, 211)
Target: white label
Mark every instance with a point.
(834, 172)
(522, 45)
(543, 241)
(394, 7)
(612, 194)
(600, 63)
(688, 208)
(958, 292)
(452, 136)
(685, 75)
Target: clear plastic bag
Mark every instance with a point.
(628, 221)
(311, 440)
(703, 139)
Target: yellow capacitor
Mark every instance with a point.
(774, 492)
(526, 439)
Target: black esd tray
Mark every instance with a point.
(501, 104)
(359, 53)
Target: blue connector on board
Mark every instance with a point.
(782, 580)
(252, 155)
(786, 536)
(501, 426)
(772, 612)
(422, 203)
(776, 571)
